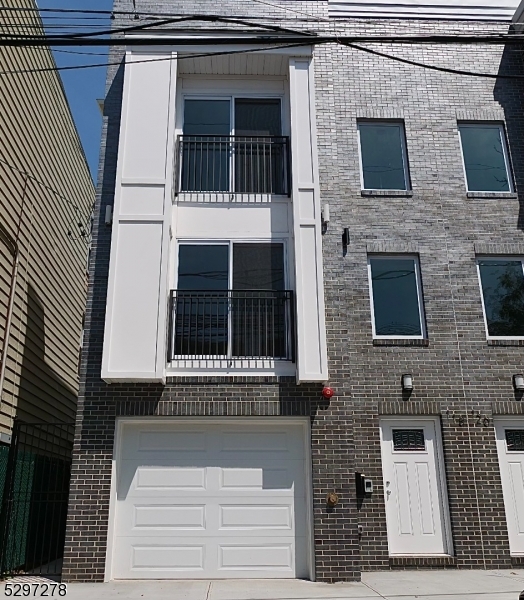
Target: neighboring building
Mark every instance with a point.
(221, 302)
(46, 199)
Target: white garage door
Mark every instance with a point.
(210, 500)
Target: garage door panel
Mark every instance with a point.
(259, 557)
(182, 478)
(255, 517)
(169, 516)
(229, 502)
(152, 559)
(155, 438)
(263, 477)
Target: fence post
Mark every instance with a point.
(7, 497)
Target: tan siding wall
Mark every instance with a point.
(45, 192)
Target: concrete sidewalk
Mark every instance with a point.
(388, 585)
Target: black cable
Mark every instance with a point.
(90, 66)
(415, 63)
(332, 19)
(293, 45)
(159, 23)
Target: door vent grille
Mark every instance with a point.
(515, 440)
(408, 440)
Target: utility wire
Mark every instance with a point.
(148, 60)
(415, 63)
(142, 13)
(87, 39)
(291, 45)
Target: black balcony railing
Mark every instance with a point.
(232, 324)
(239, 165)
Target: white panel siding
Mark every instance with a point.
(311, 333)
(137, 292)
(429, 9)
(136, 281)
(146, 119)
(207, 221)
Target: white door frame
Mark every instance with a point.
(506, 422)
(412, 421)
(121, 422)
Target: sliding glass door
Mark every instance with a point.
(231, 301)
(233, 145)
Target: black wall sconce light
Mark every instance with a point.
(345, 240)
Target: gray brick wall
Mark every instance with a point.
(456, 373)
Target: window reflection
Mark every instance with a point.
(484, 158)
(503, 292)
(395, 297)
(382, 151)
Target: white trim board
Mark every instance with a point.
(491, 10)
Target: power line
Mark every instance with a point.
(415, 63)
(291, 45)
(147, 60)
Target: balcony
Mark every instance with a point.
(232, 326)
(233, 165)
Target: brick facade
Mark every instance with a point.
(458, 375)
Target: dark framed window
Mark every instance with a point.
(383, 156)
(396, 297)
(485, 156)
(408, 440)
(515, 440)
(502, 287)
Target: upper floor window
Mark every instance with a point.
(383, 156)
(396, 297)
(485, 156)
(502, 284)
(233, 145)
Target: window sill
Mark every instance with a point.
(391, 193)
(236, 368)
(227, 198)
(492, 195)
(401, 342)
(507, 342)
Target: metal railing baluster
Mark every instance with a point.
(236, 164)
(232, 323)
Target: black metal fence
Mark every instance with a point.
(34, 500)
(232, 323)
(233, 164)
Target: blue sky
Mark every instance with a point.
(83, 86)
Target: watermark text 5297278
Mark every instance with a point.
(40, 590)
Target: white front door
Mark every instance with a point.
(510, 447)
(414, 487)
(202, 499)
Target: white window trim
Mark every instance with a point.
(502, 133)
(403, 145)
(478, 259)
(188, 365)
(420, 297)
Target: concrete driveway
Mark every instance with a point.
(388, 585)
